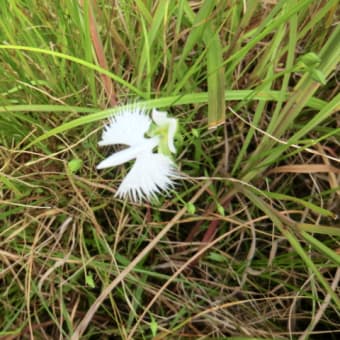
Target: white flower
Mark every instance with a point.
(152, 173)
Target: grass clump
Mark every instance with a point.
(248, 243)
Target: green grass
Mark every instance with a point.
(247, 247)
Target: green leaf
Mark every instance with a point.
(195, 133)
(89, 280)
(75, 60)
(216, 257)
(318, 76)
(305, 203)
(220, 209)
(191, 98)
(216, 101)
(153, 325)
(310, 60)
(331, 254)
(190, 208)
(75, 165)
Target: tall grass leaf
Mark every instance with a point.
(193, 98)
(215, 77)
(75, 60)
(330, 253)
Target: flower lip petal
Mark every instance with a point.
(129, 153)
(118, 158)
(150, 175)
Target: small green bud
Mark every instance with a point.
(89, 280)
(220, 209)
(75, 165)
(195, 133)
(190, 208)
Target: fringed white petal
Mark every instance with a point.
(126, 127)
(150, 175)
(129, 153)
